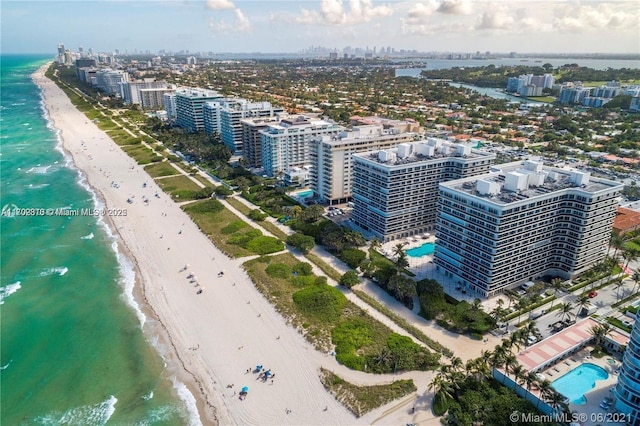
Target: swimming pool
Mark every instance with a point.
(305, 194)
(423, 250)
(579, 381)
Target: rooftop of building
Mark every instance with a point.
(527, 179)
(195, 92)
(299, 121)
(423, 151)
(558, 345)
(626, 220)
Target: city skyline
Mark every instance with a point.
(223, 26)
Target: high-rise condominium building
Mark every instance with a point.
(189, 105)
(131, 90)
(252, 139)
(521, 223)
(287, 144)
(170, 105)
(395, 191)
(331, 158)
(628, 387)
(154, 98)
(224, 117)
(109, 80)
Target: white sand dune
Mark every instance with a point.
(232, 326)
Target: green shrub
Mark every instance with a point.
(241, 240)
(349, 279)
(257, 215)
(321, 301)
(303, 268)
(234, 226)
(265, 245)
(303, 280)
(349, 336)
(203, 193)
(278, 270)
(352, 257)
(223, 191)
(209, 206)
(303, 242)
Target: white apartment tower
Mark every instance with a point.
(287, 144)
(189, 107)
(252, 139)
(395, 191)
(224, 117)
(332, 163)
(520, 223)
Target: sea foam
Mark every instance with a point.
(96, 414)
(8, 290)
(189, 401)
(87, 237)
(50, 271)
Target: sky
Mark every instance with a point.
(276, 26)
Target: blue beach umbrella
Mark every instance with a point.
(245, 389)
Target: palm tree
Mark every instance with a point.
(498, 356)
(510, 362)
(556, 400)
(440, 386)
(556, 286)
(518, 373)
(617, 286)
(565, 310)
(636, 279)
(583, 301)
(628, 254)
(545, 388)
(617, 242)
(529, 330)
(530, 379)
(600, 332)
(375, 244)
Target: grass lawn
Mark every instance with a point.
(633, 244)
(181, 188)
(141, 154)
(362, 399)
(160, 169)
(121, 137)
(549, 99)
(245, 210)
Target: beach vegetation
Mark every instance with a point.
(363, 399)
(303, 242)
(181, 188)
(303, 268)
(234, 226)
(160, 169)
(223, 191)
(460, 317)
(141, 154)
(278, 270)
(352, 257)
(321, 301)
(331, 321)
(349, 279)
(211, 216)
(265, 245)
(257, 215)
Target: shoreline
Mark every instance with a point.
(137, 300)
(211, 336)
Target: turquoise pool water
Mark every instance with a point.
(305, 194)
(423, 250)
(579, 381)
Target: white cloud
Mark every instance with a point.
(220, 4)
(421, 11)
(582, 18)
(240, 24)
(334, 13)
(495, 20)
(454, 7)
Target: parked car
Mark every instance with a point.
(593, 294)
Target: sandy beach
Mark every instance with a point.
(211, 338)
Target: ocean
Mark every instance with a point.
(73, 348)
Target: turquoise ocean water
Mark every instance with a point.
(72, 347)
